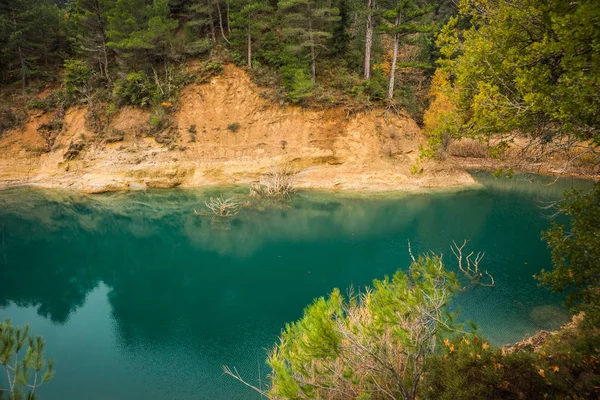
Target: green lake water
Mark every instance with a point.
(139, 298)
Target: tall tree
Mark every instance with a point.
(142, 34)
(93, 38)
(405, 19)
(304, 23)
(26, 35)
(368, 38)
(125, 19)
(251, 18)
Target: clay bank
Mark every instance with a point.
(224, 132)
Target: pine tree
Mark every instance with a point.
(26, 36)
(24, 372)
(304, 24)
(93, 37)
(370, 6)
(251, 18)
(141, 34)
(405, 20)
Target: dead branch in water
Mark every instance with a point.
(278, 182)
(222, 207)
(471, 269)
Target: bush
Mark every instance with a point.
(46, 104)
(466, 147)
(469, 368)
(297, 83)
(77, 75)
(136, 89)
(566, 365)
(198, 48)
(10, 119)
(214, 67)
(368, 346)
(233, 127)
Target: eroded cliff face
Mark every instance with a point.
(329, 148)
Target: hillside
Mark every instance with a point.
(329, 148)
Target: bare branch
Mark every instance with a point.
(235, 374)
(470, 267)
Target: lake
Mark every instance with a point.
(138, 297)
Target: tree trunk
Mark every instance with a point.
(212, 22)
(249, 47)
(369, 38)
(21, 57)
(313, 55)
(228, 21)
(354, 26)
(105, 54)
(221, 22)
(394, 57)
(22, 62)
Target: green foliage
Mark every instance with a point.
(77, 75)
(45, 104)
(469, 368)
(24, 372)
(576, 249)
(305, 26)
(233, 127)
(370, 343)
(566, 365)
(529, 65)
(374, 87)
(214, 67)
(30, 35)
(135, 89)
(297, 82)
(196, 48)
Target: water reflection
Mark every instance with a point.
(183, 298)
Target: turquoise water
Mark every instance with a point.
(139, 298)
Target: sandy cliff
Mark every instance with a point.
(329, 148)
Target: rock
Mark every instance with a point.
(95, 184)
(74, 150)
(549, 316)
(135, 186)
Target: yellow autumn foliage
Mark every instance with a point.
(442, 108)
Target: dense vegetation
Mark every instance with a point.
(330, 52)
(397, 341)
(528, 69)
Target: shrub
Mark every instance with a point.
(466, 147)
(469, 368)
(10, 119)
(214, 67)
(370, 345)
(20, 367)
(77, 75)
(136, 89)
(198, 48)
(233, 127)
(564, 365)
(297, 83)
(46, 104)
